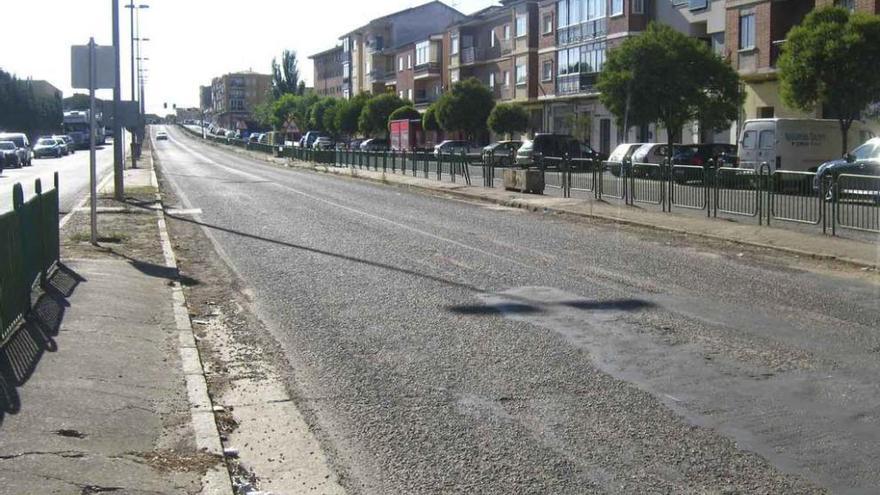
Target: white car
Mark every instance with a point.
(161, 136)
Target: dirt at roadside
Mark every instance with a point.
(257, 416)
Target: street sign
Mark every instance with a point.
(105, 67)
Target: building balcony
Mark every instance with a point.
(573, 84)
(424, 98)
(586, 31)
(428, 70)
(473, 54)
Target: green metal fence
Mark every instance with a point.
(29, 251)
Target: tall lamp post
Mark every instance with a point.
(134, 15)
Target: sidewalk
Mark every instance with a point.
(812, 245)
(97, 389)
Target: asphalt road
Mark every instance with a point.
(444, 346)
(73, 176)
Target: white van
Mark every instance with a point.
(794, 144)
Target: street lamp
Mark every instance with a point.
(135, 46)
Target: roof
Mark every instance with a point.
(483, 15)
(389, 17)
(325, 52)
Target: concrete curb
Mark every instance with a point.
(216, 481)
(516, 203)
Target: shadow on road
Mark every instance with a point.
(531, 307)
(20, 356)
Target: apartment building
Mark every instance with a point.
(234, 97)
(206, 98)
(547, 55)
(369, 53)
(329, 79)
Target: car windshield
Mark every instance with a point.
(7, 145)
(46, 142)
(867, 151)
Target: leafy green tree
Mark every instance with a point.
(330, 117)
(348, 114)
(291, 108)
(465, 108)
(405, 113)
(374, 116)
(285, 76)
(636, 84)
(831, 60)
(508, 118)
(318, 118)
(21, 109)
(429, 120)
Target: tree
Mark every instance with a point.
(429, 120)
(508, 118)
(581, 125)
(405, 113)
(465, 108)
(291, 108)
(348, 114)
(285, 77)
(830, 60)
(374, 116)
(637, 87)
(318, 114)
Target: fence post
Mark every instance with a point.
(440, 165)
(764, 195)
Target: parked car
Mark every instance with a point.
(355, 144)
(701, 154)
(621, 153)
(22, 147)
(231, 135)
(452, 147)
(323, 143)
(551, 145)
(309, 138)
(656, 153)
(864, 160)
(501, 154)
(49, 147)
(161, 136)
(794, 144)
(254, 138)
(375, 145)
(9, 156)
(71, 145)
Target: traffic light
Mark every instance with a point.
(165, 105)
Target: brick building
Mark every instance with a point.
(328, 72)
(234, 97)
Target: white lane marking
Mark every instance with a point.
(352, 210)
(81, 203)
(184, 212)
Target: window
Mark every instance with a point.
(747, 31)
(400, 94)
(562, 64)
(492, 38)
(766, 113)
(521, 25)
(616, 7)
(548, 24)
(574, 12)
(492, 80)
(423, 52)
(409, 61)
(400, 64)
(409, 94)
(507, 31)
(562, 13)
(454, 43)
(748, 141)
(453, 77)
(638, 6)
(547, 71)
(847, 4)
(521, 72)
(507, 78)
(767, 140)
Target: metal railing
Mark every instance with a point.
(751, 191)
(29, 252)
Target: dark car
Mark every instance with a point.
(700, 154)
(22, 147)
(863, 161)
(375, 145)
(8, 155)
(501, 154)
(551, 146)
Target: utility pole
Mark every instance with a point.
(118, 163)
(133, 94)
(93, 176)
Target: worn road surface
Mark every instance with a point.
(443, 346)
